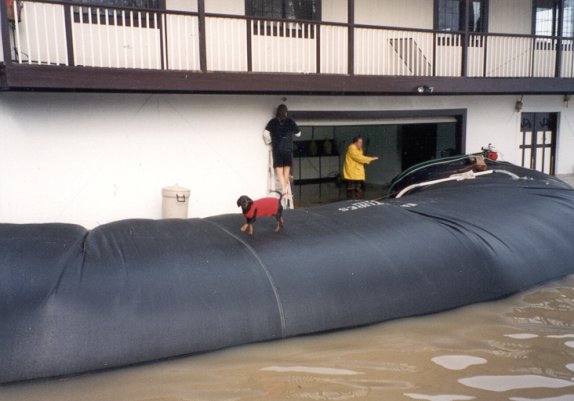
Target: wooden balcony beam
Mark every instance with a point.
(4, 32)
(61, 78)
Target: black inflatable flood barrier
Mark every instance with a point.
(73, 300)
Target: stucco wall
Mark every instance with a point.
(181, 5)
(94, 158)
(409, 13)
(510, 16)
(236, 7)
(334, 11)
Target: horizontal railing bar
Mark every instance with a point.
(518, 35)
(485, 34)
(102, 6)
(293, 21)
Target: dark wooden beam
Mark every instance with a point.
(5, 33)
(318, 17)
(3, 80)
(351, 37)
(558, 41)
(318, 49)
(465, 39)
(372, 114)
(202, 40)
(69, 34)
(61, 78)
(249, 33)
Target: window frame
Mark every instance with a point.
(462, 22)
(558, 22)
(284, 27)
(120, 20)
(283, 17)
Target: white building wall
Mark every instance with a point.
(235, 7)
(334, 11)
(181, 5)
(395, 13)
(94, 158)
(510, 16)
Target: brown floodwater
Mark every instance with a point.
(518, 349)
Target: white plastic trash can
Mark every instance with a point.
(175, 202)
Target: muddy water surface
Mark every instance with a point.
(517, 349)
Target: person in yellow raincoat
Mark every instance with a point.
(354, 167)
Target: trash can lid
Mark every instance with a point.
(174, 190)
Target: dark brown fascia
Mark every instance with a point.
(3, 82)
(61, 78)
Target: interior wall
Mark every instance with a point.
(378, 140)
(445, 138)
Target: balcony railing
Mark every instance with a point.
(61, 33)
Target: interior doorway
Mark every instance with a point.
(319, 153)
(538, 141)
(418, 144)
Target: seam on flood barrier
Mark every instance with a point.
(265, 270)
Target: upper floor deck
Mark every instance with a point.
(346, 46)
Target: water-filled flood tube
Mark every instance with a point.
(73, 300)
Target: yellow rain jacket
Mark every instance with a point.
(355, 160)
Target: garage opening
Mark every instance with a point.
(319, 153)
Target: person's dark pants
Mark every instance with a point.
(355, 189)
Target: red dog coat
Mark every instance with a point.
(264, 207)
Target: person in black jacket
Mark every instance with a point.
(281, 130)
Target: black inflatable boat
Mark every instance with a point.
(73, 300)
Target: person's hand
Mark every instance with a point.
(375, 158)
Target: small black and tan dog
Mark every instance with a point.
(259, 208)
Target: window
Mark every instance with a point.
(568, 27)
(152, 4)
(451, 15)
(103, 15)
(547, 15)
(285, 9)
